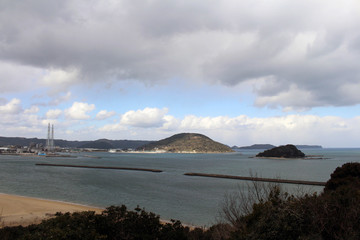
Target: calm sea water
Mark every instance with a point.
(193, 200)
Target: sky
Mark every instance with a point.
(240, 72)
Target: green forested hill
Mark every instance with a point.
(187, 142)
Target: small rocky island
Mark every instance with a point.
(287, 151)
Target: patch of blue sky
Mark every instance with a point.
(26, 98)
(180, 99)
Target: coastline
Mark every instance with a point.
(18, 210)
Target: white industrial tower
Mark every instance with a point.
(50, 147)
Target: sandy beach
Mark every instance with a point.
(17, 210)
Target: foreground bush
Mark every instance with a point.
(113, 223)
(332, 215)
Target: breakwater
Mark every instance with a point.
(99, 167)
(275, 180)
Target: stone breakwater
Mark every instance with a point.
(99, 167)
(275, 180)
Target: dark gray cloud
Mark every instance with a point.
(284, 48)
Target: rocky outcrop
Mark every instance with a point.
(287, 151)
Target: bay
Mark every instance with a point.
(171, 194)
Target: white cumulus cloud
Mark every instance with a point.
(79, 111)
(59, 79)
(53, 113)
(12, 107)
(60, 99)
(104, 114)
(32, 110)
(146, 118)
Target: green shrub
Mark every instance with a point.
(348, 176)
(114, 223)
(332, 215)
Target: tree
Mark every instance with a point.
(348, 176)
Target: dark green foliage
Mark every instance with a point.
(287, 151)
(113, 224)
(9, 233)
(122, 224)
(98, 144)
(276, 218)
(174, 230)
(219, 231)
(332, 215)
(340, 207)
(348, 176)
(82, 226)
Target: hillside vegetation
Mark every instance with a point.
(187, 142)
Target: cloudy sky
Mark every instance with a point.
(240, 72)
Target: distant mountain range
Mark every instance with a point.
(178, 142)
(187, 142)
(255, 146)
(269, 146)
(99, 144)
(308, 146)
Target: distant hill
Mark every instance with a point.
(308, 146)
(187, 142)
(18, 141)
(269, 146)
(256, 146)
(99, 144)
(114, 144)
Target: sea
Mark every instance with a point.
(170, 194)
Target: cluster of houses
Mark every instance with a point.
(40, 149)
(13, 149)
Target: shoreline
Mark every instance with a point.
(16, 210)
